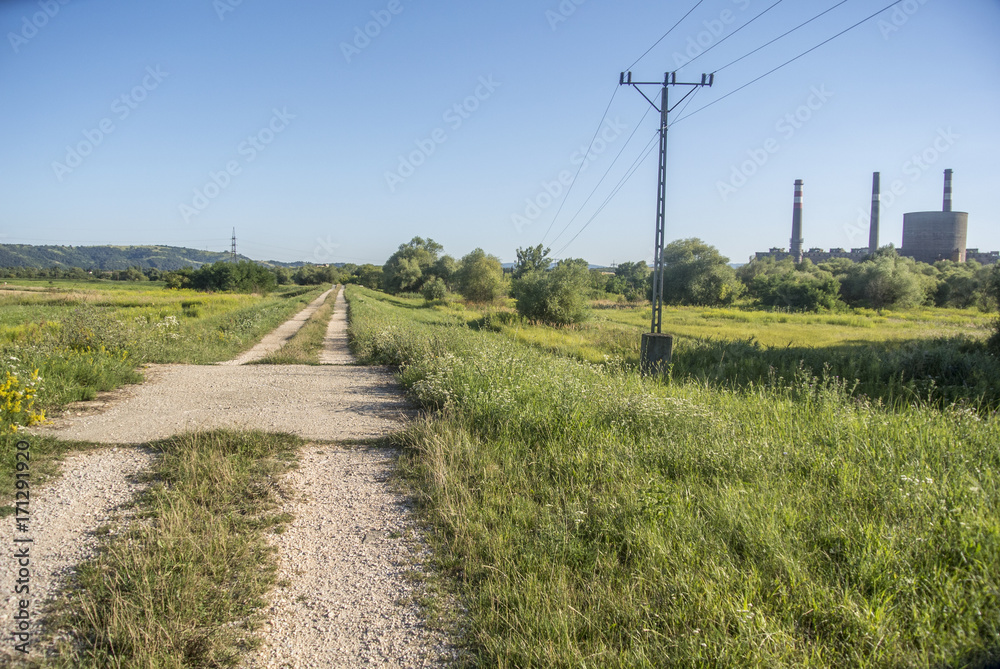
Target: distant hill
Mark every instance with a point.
(113, 257)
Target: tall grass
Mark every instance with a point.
(893, 359)
(590, 517)
(184, 586)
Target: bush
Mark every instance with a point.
(17, 400)
(241, 277)
(888, 281)
(695, 273)
(434, 290)
(993, 291)
(558, 296)
(797, 290)
(631, 280)
(480, 277)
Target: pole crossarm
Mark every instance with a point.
(669, 79)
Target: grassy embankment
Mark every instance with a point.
(590, 517)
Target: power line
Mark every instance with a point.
(580, 167)
(801, 25)
(736, 31)
(646, 53)
(788, 62)
(608, 171)
(643, 155)
(690, 100)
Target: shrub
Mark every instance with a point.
(993, 290)
(17, 400)
(241, 277)
(797, 290)
(695, 273)
(434, 290)
(480, 277)
(558, 296)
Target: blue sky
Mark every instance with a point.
(334, 132)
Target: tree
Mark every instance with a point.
(282, 275)
(784, 284)
(444, 269)
(370, 276)
(531, 259)
(480, 277)
(631, 279)
(410, 265)
(241, 277)
(696, 273)
(179, 279)
(557, 296)
(884, 282)
(434, 290)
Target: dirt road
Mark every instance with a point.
(351, 544)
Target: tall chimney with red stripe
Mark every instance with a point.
(795, 248)
(876, 202)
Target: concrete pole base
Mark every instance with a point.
(656, 351)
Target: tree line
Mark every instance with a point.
(695, 274)
(560, 292)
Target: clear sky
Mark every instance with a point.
(334, 132)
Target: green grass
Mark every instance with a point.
(305, 346)
(933, 354)
(591, 517)
(85, 338)
(184, 586)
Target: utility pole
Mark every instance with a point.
(657, 347)
(234, 246)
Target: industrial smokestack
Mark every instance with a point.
(947, 190)
(876, 208)
(795, 248)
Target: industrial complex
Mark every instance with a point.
(928, 236)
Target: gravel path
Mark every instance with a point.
(310, 401)
(346, 554)
(280, 336)
(63, 515)
(335, 349)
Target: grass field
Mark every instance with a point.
(591, 517)
(800, 491)
(184, 587)
(86, 337)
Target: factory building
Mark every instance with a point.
(928, 236)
